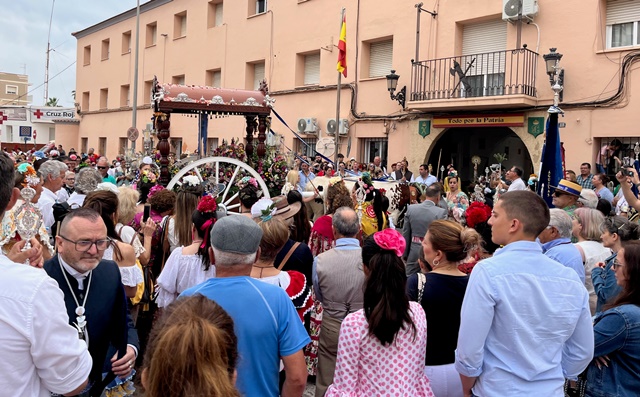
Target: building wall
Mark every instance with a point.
(280, 37)
(10, 82)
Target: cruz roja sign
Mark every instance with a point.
(49, 114)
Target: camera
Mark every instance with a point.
(626, 164)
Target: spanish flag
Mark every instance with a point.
(342, 48)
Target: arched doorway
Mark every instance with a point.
(458, 145)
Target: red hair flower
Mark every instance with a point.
(390, 239)
(207, 204)
(477, 213)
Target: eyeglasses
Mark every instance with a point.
(102, 168)
(85, 245)
(616, 264)
(559, 194)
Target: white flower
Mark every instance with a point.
(191, 180)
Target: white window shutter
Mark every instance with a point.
(258, 74)
(218, 11)
(481, 38)
(312, 69)
(621, 11)
(380, 58)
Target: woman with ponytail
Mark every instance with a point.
(106, 203)
(381, 346)
(440, 292)
(192, 351)
(374, 219)
(189, 265)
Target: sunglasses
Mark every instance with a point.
(559, 194)
(102, 168)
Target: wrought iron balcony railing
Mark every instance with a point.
(510, 72)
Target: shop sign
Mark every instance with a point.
(480, 120)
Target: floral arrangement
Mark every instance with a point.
(247, 180)
(30, 175)
(234, 150)
(367, 185)
(334, 180)
(390, 239)
(154, 190)
(207, 204)
(191, 180)
(273, 169)
(476, 213)
(148, 176)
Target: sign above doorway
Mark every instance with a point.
(480, 120)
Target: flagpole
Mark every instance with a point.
(337, 133)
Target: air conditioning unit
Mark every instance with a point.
(332, 127)
(511, 9)
(307, 125)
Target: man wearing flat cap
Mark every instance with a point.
(266, 323)
(566, 195)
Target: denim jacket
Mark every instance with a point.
(604, 283)
(617, 335)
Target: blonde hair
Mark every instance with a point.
(275, 234)
(454, 240)
(127, 201)
(292, 177)
(192, 351)
(591, 221)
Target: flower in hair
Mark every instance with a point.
(390, 239)
(246, 181)
(191, 180)
(207, 204)
(334, 180)
(155, 189)
(30, 175)
(477, 212)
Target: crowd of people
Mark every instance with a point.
(470, 291)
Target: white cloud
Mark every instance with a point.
(23, 38)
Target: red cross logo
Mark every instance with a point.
(2, 117)
(38, 113)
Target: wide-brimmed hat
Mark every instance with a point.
(285, 210)
(568, 187)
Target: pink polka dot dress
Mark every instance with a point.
(364, 367)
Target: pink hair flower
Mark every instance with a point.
(390, 239)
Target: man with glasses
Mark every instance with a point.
(514, 175)
(40, 353)
(566, 196)
(94, 295)
(103, 168)
(556, 242)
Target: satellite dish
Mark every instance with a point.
(326, 147)
(512, 8)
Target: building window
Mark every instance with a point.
(104, 98)
(309, 149)
(622, 23)
(312, 69)
(123, 144)
(180, 25)
(380, 58)
(214, 14)
(87, 55)
(178, 79)
(148, 87)
(52, 133)
(375, 147)
(105, 50)
(483, 46)
(255, 75)
(261, 6)
(152, 32)
(9, 133)
(212, 144)
(11, 90)
(84, 145)
(85, 101)
(214, 78)
(126, 42)
(124, 95)
(102, 146)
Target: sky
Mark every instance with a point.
(24, 26)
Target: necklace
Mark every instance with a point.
(81, 321)
(262, 268)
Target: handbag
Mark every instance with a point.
(575, 388)
(422, 281)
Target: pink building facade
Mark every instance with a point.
(494, 101)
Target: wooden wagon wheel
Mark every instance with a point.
(228, 171)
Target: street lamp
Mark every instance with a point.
(392, 84)
(556, 77)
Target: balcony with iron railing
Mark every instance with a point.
(492, 80)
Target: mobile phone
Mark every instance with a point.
(147, 212)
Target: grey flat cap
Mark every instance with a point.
(237, 234)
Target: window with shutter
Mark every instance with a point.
(312, 69)
(380, 58)
(258, 74)
(483, 58)
(622, 23)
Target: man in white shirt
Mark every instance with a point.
(52, 172)
(514, 174)
(41, 352)
(424, 177)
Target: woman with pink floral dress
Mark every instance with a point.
(382, 346)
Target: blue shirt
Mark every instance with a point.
(604, 283)
(561, 250)
(525, 324)
(304, 179)
(429, 180)
(341, 244)
(266, 324)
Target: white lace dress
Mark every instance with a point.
(131, 275)
(181, 272)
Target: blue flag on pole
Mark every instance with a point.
(551, 167)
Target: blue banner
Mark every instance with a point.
(203, 124)
(551, 168)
